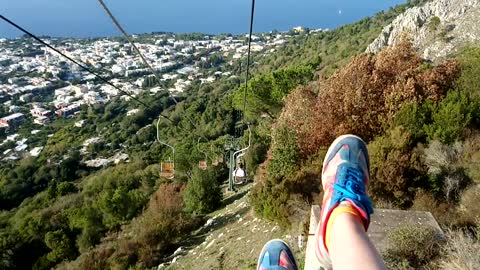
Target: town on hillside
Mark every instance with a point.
(38, 86)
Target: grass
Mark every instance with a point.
(462, 251)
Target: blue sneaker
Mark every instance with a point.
(345, 176)
(276, 255)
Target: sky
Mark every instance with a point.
(86, 18)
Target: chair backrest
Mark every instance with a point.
(167, 169)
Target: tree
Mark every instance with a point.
(451, 116)
(203, 193)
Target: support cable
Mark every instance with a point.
(144, 60)
(72, 60)
(248, 60)
(127, 36)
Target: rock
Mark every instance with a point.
(237, 216)
(209, 222)
(161, 266)
(458, 27)
(220, 235)
(210, 244)
(175, 259)
(178, 251)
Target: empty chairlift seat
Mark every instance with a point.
(167, 169)
(202, 164)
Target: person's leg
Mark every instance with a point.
(341, 239)
(350, 246)
(276, 255)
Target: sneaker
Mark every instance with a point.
(345, 176)
(276, 255)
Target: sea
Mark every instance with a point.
(86, 18)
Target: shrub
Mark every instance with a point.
(413, 117)
(469, 80)
(266, 92)
(64, 188)
(282, 200)
(434, 23)
(60, 245)
(203, 193)
(297, 116)
(445, 213)
(471, 157)
(447, 176)
(451, 116)
(143, 242)
(396, 169)
(462, 251)
(469, 202)
(364, 96)
(284, 154)
(270, 200)
(162, 225)
(413, 244)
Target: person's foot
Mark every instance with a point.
(345, 175)
(276, 255)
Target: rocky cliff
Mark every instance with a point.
(437, 29)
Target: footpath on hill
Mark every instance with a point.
(232, 238)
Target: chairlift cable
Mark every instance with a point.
(72, 60)
(144, 60)
(248, 59)
(129, 39)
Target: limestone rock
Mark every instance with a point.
(458, 27)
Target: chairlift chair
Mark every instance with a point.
(239, 154)
(167, 167)
(202, 164)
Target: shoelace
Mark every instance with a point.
(353, 188)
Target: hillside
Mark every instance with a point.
(421, 122)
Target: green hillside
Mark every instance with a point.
(421, 121)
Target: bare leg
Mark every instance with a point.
(350, 247)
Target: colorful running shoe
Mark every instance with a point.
(345, 176)
(276, 255)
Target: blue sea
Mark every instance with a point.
(86, 18)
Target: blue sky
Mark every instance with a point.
(83, 18)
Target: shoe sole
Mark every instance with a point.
(266, 244)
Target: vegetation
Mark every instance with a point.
(367, 94)
(421, 122)
(412, 247)
(203, 194)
